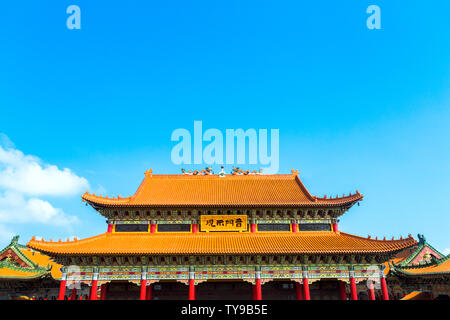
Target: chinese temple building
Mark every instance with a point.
(243, 235)
(26, 273)
(420, 272)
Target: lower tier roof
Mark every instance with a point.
(21, 274)
(440, 267)
(221, 243)
(21, 263)
(418, 295)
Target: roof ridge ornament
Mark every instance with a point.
(294, 172)
(222, 173)
(148, 172)
(422, 239)
(15, 240)
(238, 171)
(207, 171)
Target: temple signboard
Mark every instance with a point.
(211, 223)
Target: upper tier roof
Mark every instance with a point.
(213, 190)
(222, 243)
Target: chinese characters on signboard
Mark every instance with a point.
(223, 223)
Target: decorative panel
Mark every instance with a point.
(274, 227)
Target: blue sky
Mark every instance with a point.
(356, 108)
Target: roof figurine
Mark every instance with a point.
(243, 188)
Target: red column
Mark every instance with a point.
(194, 228)
(299, 290)
(62, 287)
(93, 293)
(103, 291)
(258, 292)
(335, 227)
(371, 289)
(342, 290)
(384, 289)
(354, 293)
(306, 295)
(143, 289)
(294, 227)
(191, 285)
(110, 227)
(73, 294)
(143, 284)
(149, 292)
(153, 228)
(253, 227)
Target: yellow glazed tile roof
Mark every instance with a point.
(398, 258)
(221, 243)
(43, 260)
(438, 268)
(22, 273)
(418, 295)
(231, 190)
(21, 263)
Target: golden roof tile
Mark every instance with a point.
(213, 190)
(19, 262)
(221, 243)
(23, 273)
(442, 267)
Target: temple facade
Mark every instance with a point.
(419, 273)
(27, 274)
(244, 235)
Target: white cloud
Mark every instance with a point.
(24, 180)
(446, 251)
(15, 208)
(27, 174)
